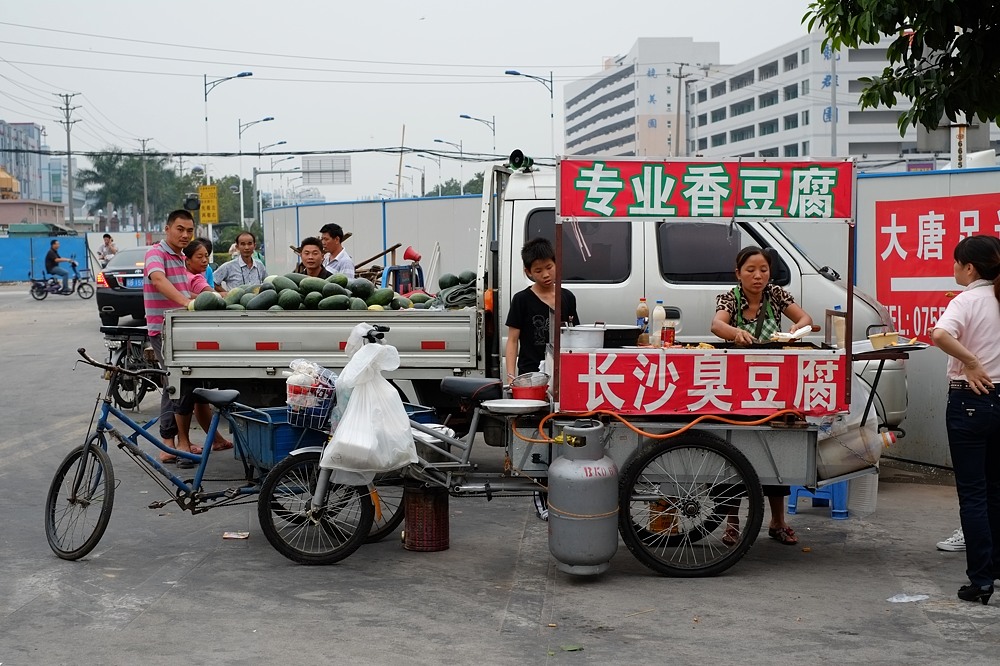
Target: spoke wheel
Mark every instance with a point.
(129, 391)
(307, 536)
(76, 521)
(38, 292)
(389, 507)
(85, 290)
(676, 497)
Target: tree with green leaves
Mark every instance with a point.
(452, 188)
(943, 54)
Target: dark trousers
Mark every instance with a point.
(973, 423)
(169, 406)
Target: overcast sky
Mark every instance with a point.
(336, 75)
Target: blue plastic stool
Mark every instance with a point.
(833, 495)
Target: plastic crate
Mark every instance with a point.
(269, 437)
(419, 413)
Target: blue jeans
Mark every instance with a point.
(973, 423)
(59, 270)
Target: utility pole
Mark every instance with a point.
(680, 76)
(145, 188)
(68, 124)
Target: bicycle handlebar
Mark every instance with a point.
(117, 368)
(377, 333)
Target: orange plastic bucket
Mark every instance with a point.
(529, 392)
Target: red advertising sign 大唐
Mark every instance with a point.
(763, 189)
(914, 262)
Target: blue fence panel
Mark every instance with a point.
(21, 256)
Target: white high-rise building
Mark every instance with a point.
(631, 106)
(779, 104)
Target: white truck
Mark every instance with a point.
(608, 266)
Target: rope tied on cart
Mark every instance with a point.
(781, 413)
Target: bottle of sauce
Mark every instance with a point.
(642, 321)
(656, 324)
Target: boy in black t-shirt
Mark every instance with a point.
(528, 317)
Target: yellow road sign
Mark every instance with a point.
(209, 196)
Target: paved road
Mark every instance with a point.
(164, 587)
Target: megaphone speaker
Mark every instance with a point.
(518, 160)
(410, 254)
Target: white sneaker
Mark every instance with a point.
(541, 505)
(953, 543)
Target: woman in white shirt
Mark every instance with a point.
(969, 333)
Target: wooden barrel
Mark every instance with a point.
(426, 511)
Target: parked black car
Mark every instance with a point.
(119, 287)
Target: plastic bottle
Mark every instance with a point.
(642, 321)
(656, 324)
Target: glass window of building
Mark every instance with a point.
(791, 121)
(791, 150)
(791, 62)
(805, 117)
(767, 99)
(791, 92)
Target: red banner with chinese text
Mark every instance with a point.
(686, 382)
(764, 189)
(914, 262)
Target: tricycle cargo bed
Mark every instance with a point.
(216, 345)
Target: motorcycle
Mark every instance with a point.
(41, 287)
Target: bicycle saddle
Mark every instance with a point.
(474, 388)
(217, 397)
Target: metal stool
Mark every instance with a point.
(833, 495)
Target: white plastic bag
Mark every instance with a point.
(374, 431)
(844, 445)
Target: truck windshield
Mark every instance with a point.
(593, 251)
(705, 252)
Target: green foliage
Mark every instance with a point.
(942, 54)
(451, 187)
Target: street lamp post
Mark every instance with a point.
(461, 161)
(552, 102)
(243, 127)
(437, 159)
(492, 124)
(209, 86)
(423, 178)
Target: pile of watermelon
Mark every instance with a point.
(294, 291)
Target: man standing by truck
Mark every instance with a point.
(336, 260)
(244, 269)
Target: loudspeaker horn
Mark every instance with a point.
(409, 254)
(518, 160)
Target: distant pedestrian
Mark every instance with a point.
(969, 333)
(336, 260)
(245, 270)
(107, 251)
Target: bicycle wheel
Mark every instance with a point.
(39, 292)
(85, 290)
(675, 494)
(325, 535)
(389, 509)
(76, 520)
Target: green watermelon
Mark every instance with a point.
(281, 283)
(447, 280)
(312, 284)
(208, 300)
(264, 300)
(467, 277)
(312, 299)
(235, 306)
(276, 308)
(235, 295)
(289, 299)
(357, 304)
(419, 297)
(335, 302)
(361, 288)
(297, 278)
(332, 289)
(338, 278)
(246, 298)
(381, 297)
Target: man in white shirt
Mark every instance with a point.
(244, 269)
(107, 251)
(336, 260)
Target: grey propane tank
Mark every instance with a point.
(583, 502)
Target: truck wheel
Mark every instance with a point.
(675, 499)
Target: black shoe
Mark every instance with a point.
(185, 463)
(975, 593)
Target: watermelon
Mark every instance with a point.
(338, 278)
(381, 297)
(419, 297)
(375, 307)
(419, 306)
(335, 302)
(358, 304)
(208, 300)
(289, 299)
(361, 288)
(264, 300)
(312, 284)
(235, 306)
(401, 303)
(447, 280)
(276, 308)
(234, 296)
(266, 286)
(246, 298)
(466, 277)
(297, 278)
(269, 279)
(281, 283)
(332, 289)
(312, 299)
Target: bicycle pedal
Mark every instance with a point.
(159, 504)
(232, 493)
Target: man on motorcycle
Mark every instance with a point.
(52, 261)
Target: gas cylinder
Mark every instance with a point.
(583, 502)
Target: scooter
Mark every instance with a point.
(40, 288)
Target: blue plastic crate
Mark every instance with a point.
(269, 438)
(419, 413)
